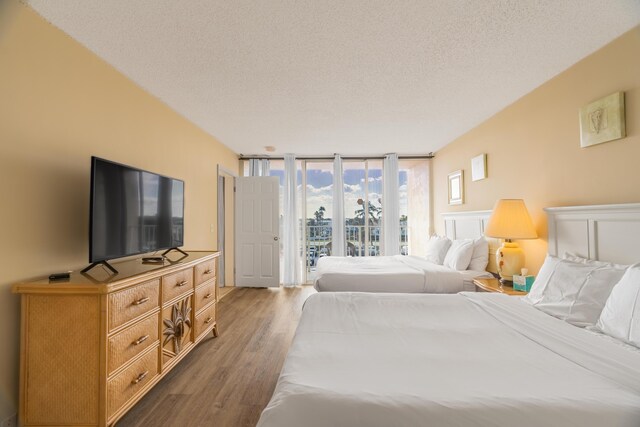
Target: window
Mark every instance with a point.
(363, 206)
(318, 203)
(415, 224)
(363, 209)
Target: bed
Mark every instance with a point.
(362, 359)
(399, 273)
(469, 359)
(406, 274)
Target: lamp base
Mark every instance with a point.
(510, 260)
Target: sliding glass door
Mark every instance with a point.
(363, 206)
(318, 208)
(363, 210)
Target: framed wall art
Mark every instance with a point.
(479, 167)
(456, 187)
(602, 120)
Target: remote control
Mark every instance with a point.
(59, 276)
(153, 259)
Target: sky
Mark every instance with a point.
(320, 188)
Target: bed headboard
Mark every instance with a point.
(601, 232)
(471, 225)
(465, 225)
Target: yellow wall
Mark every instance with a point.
(533, 146)
(60, 104)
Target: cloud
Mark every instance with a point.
(372, 179)
(318, 190)
(352, 188)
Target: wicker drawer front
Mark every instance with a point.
(130, 303)
(205, 320)
(176, 284)
(205, 294)
(123, 346)
(205, 271)
(132, 380)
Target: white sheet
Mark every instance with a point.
(472, 359)
(404, 274)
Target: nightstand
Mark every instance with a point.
(494, 285)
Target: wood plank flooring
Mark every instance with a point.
(227, 381)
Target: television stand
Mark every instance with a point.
(105, 263)
(110, 350)
(174, 249)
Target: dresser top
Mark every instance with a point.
(100, 280)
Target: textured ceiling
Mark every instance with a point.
(353, 77)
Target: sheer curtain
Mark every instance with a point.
(337, 219)
(258, 167)
(291, 248)
(390, 206)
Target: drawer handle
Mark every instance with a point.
(141, 340)
(141, 301)
(208, 320)
(180, 284)
(140, 377)
(207, 296)
(207, 272)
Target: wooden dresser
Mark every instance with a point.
(93, 345)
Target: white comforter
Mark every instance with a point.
(449, 360)
(404, 274)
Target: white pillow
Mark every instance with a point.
(577, 258)
(480, 257)
(573, 291)
(459, 255)
(437, 248)
(620, 317)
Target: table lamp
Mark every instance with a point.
(510, 220)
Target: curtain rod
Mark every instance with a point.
(414, 157)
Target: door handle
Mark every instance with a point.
(276, 238)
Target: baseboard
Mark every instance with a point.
(12, 421)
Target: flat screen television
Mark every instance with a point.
(133, 211)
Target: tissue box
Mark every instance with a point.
(522, 283)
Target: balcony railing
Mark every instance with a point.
(360, 241)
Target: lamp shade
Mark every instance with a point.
(510, 220)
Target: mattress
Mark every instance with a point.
(403, 274)
(471, 359)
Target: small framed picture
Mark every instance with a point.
(456, 188)
(602, 120)
(479, 167)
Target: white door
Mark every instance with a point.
(257, 232)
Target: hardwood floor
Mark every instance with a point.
(227, 381)
(222, 292)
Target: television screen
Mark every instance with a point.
(133, 211)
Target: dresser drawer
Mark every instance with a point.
(176, 284)
(205, 271)
(205, 294)
(132, 302)
(126, 344)
(132, 380)
(205, 320)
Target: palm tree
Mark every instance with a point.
(319, 214)
(374, 213)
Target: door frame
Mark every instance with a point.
(222, 172)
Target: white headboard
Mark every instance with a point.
(471, 225)
(465, 225)
(602, 232)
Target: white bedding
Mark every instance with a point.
(472, 359)
(399, 273)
